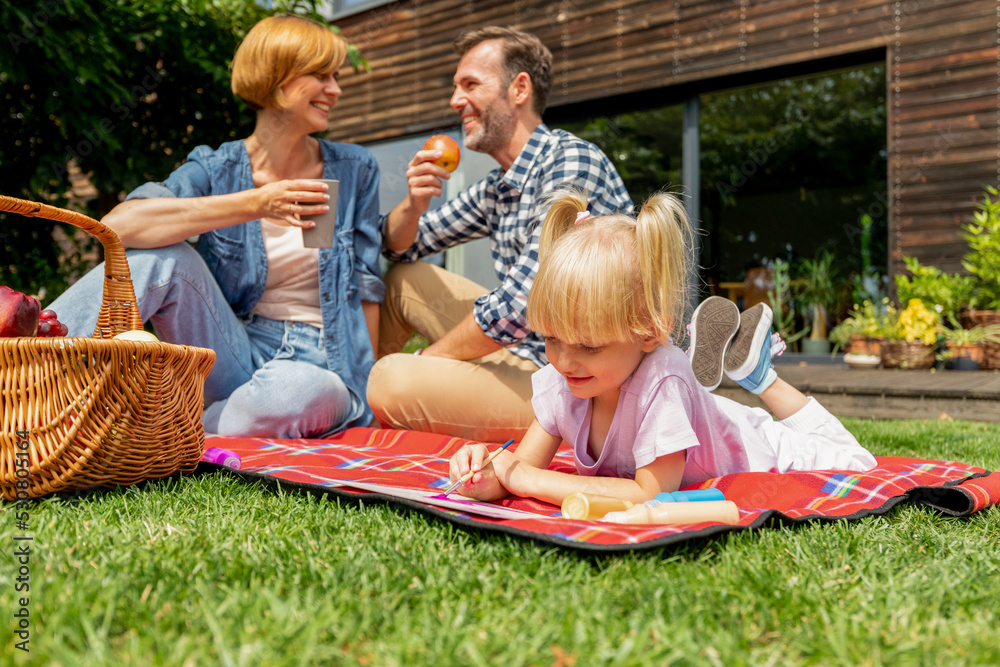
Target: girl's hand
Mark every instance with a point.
(284, 202)
(483, 485)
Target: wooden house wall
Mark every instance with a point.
(943, 78)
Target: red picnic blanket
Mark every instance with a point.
(418, 462)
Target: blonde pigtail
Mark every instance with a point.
(561, 217)
(664, 239)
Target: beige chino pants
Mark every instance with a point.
(486, 399)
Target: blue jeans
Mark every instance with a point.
(270, 379)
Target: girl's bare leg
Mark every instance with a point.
(782, 399)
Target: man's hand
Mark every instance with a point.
(424, 181)
(465, 341)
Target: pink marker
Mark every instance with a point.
(222, 457)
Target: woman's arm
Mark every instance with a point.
(163, 221)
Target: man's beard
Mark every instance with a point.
(496, 124)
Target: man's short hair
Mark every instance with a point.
(279, 49)
(522, 52)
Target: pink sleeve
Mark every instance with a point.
(665, 424)
(545, 398)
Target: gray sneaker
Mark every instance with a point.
(748, 361)
(714, 323)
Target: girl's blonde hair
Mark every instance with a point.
(614, 277)
(279, 49)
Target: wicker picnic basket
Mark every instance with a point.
(84, 412)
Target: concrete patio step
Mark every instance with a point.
(887, 394)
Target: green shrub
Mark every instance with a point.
(945, 293)
(983, 258)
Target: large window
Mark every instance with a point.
(787, 168)
(335, 9)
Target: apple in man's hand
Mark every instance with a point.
(449, 151)
(18, 314)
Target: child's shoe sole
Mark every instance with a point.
(744, 352)
(713, 325)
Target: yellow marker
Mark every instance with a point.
(719, 511)
(591, 505)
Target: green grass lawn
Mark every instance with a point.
(210, 570)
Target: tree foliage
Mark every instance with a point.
(121, 90)
(809, 132)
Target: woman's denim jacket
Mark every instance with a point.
(349, 273)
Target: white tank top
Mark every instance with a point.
(291, 292)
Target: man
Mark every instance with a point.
(474, 380)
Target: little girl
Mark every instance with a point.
(609, 293)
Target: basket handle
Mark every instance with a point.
(119, 310)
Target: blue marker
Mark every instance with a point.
(693, 495)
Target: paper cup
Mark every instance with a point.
(321, 236)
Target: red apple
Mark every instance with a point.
(449, 151)
(18, 313)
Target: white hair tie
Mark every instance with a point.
(581, 216)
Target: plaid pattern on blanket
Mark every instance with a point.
(410, 459)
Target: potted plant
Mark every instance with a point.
(983, 259)
(964, 348)
(911, 337)
(781, 305)
(869, 284)
(817, 290)
(846, 332)
(863, 330)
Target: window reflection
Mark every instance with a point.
(787, 167)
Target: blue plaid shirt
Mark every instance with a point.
(506, 207)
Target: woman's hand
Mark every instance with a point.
(284, 202)
(483, 485)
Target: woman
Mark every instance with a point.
(293, 328)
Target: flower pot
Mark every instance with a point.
(815, 346)
(864, 345)
(963, 364)
(856, 360)
(901, 354)
(964, 356)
